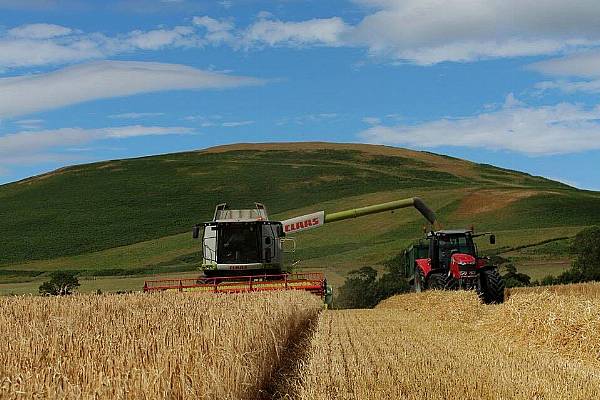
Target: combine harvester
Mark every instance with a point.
(243, 251)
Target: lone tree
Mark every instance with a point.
(586, 248)
(61, 283)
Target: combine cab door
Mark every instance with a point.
(271, 245)
(209, 245)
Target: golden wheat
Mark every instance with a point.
(446, 345)
(170, 345)
(588, 290)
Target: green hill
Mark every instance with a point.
(133, 217)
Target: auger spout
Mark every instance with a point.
(415, 202)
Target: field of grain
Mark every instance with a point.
(168, 345)
(588, 290)
(446, 345)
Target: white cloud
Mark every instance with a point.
(431, 31)
(234, 124)
(585, 65)
(47, 44)
(561, 128)
(423, 32)
(29, 52)
(39, 31)
(161, 38)
(217, 31)
(371, 120)
(327, 31)
(134, 115)
(36, 146)
(104, 79)
(427, 32)
(30, 123)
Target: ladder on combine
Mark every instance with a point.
(313, 282)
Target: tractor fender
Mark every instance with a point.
(424, 264)
(482, 265)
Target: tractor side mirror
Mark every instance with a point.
(196, 232)
(492, 239)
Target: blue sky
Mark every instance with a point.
(501, 82)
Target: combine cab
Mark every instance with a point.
(241, 243)
(448, 260)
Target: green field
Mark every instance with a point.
(119, 222)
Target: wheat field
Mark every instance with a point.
(588, 289)
(540, 344)
(446, 345)
(170, 345)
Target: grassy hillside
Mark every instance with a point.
(134, 216)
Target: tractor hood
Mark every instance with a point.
(463, 259)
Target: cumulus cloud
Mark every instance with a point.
(104, 79)
(556, 129)
(432, 31)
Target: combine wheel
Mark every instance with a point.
(491, 290)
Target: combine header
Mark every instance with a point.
(243, 250)
(313, 282)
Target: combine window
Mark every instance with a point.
(239, 244)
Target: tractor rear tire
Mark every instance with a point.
(441, 281)
(491, 290)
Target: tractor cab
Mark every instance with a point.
(449, 245)
(454, 246)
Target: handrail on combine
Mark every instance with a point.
(313, 282)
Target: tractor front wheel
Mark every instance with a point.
(441, 282)
(491, 290)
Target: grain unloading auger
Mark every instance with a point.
(243, 250)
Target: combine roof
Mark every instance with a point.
(225, 214)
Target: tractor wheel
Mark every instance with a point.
(419, 280)
(491, 290)
(437, 281)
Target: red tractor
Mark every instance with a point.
(449, 260)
